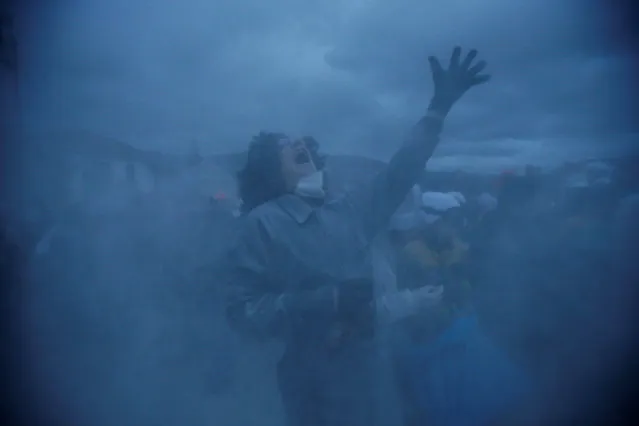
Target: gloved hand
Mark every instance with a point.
(452, 83)
(427, 296)
(397, 306)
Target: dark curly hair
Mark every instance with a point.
(261, 179)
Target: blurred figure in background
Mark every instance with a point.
(449, 371)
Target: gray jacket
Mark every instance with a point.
(289, 254)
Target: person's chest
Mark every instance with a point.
(313, 246)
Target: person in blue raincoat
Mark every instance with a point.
(301, 268)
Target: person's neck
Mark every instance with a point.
(311, 186)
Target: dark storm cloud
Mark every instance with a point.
(555, 74)
(353, 73)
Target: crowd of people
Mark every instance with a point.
(525, 279)
(397, 305)
(474, 308)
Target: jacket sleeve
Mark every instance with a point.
(257, 304)
(374, 203)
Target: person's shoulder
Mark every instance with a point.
(257, 222)
(261, 214)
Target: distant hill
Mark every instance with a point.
(87, 144)
(343, 170)
(346, 171)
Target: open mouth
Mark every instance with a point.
(302, 157)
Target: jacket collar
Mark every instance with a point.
(296, 207)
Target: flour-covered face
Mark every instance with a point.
(296, 161)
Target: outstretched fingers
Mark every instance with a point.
(461, 74)
(469, 59)
(454, 59)
(475, 76)
(477, 68)
(435, 67)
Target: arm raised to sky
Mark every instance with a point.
(375, 202)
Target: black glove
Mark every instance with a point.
(452, 83)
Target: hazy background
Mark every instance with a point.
(352, 73)
(123, 313)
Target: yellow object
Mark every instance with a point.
(419, 251)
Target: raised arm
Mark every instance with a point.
(375, 202)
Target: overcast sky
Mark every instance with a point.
(352, 73)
